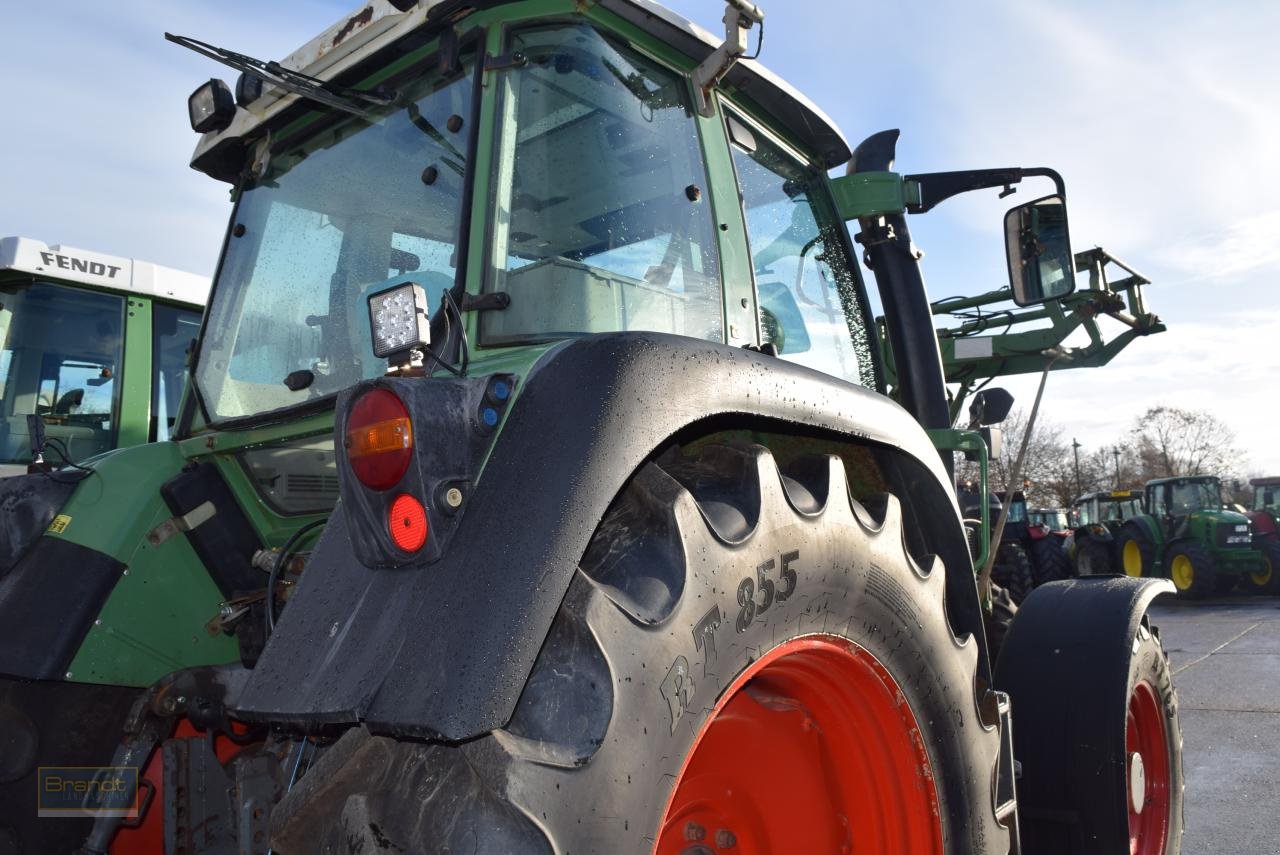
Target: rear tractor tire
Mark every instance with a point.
(1136, 550)
(1192, 569)
(1048, 562)
(1013, 571)
(1266, 580)
(730, 635)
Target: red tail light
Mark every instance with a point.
(379, 439)
(407, 522)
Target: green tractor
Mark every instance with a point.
(537, 489)
(1099, 516)
(1188, 536)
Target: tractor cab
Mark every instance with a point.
(92, 345)
(1181, 502)
(1265, 507)
(1052, 519)
(1108, 508)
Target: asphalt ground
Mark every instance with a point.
(1226, 662)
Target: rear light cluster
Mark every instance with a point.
(396, 477)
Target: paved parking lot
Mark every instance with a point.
(1226, 661)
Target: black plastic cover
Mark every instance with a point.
(48, 601)
(225, 542)
(449, 441)
(444, 649)
(28, 503)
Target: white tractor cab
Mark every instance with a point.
(94, 345)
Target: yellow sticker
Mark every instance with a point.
(59, 524)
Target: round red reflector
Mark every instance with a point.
(408, 523)
(379, 439)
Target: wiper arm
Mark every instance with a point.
(343, 98)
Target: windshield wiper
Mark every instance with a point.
(343, 98)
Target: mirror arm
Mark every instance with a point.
(937, 187)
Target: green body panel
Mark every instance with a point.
(950, 439)
(1200, 529)
(135, 388)
(1153, 528)
(869, 194)
(153, 621)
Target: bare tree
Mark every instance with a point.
(1170, 441)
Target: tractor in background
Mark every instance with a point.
(1031, 552)
(1187, 535)
(1053, 519)
(93, 351)
(1263, 513)
(1098, 517)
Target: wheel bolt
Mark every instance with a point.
(693, 831)
(726, 839)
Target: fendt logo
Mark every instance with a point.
(70, 262)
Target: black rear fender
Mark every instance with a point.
(443, 648)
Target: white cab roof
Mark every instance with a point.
(82, 266)
(376, 23)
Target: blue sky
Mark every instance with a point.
(1162, 116)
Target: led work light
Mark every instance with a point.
(398, 319)
(211, 107)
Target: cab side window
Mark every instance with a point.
(1159, 501)
(807, 297)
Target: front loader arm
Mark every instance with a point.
(987, 343)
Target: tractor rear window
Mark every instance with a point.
(601, 217)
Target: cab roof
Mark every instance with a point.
(99, 270)
(1183, 478)
(1269, 481)
(377, 23)
(1118, 495)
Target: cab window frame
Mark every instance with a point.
(824, 205)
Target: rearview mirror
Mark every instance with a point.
(1036, 241)
(990, 407)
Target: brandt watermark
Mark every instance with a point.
(87, 791)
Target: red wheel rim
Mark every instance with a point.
(1147, 772)
(813, 748)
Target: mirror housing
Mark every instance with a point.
(990, 406)
(1038, 246)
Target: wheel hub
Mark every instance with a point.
(1137, 782)
(814, 748)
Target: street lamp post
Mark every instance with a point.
(1115, 452)
(1075, 447)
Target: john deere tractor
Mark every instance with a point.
(1187, 535)
(1092, 544)
(1265, 509)
(538, 490)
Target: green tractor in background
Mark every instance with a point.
(1188, 536)
(1099, 516)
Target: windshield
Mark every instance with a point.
(60, 350)
(1266, 498)
(1121, 509)
(353, 208)
(1017, 511)
(601, 218)
(1055, 520)
(1188, 496)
